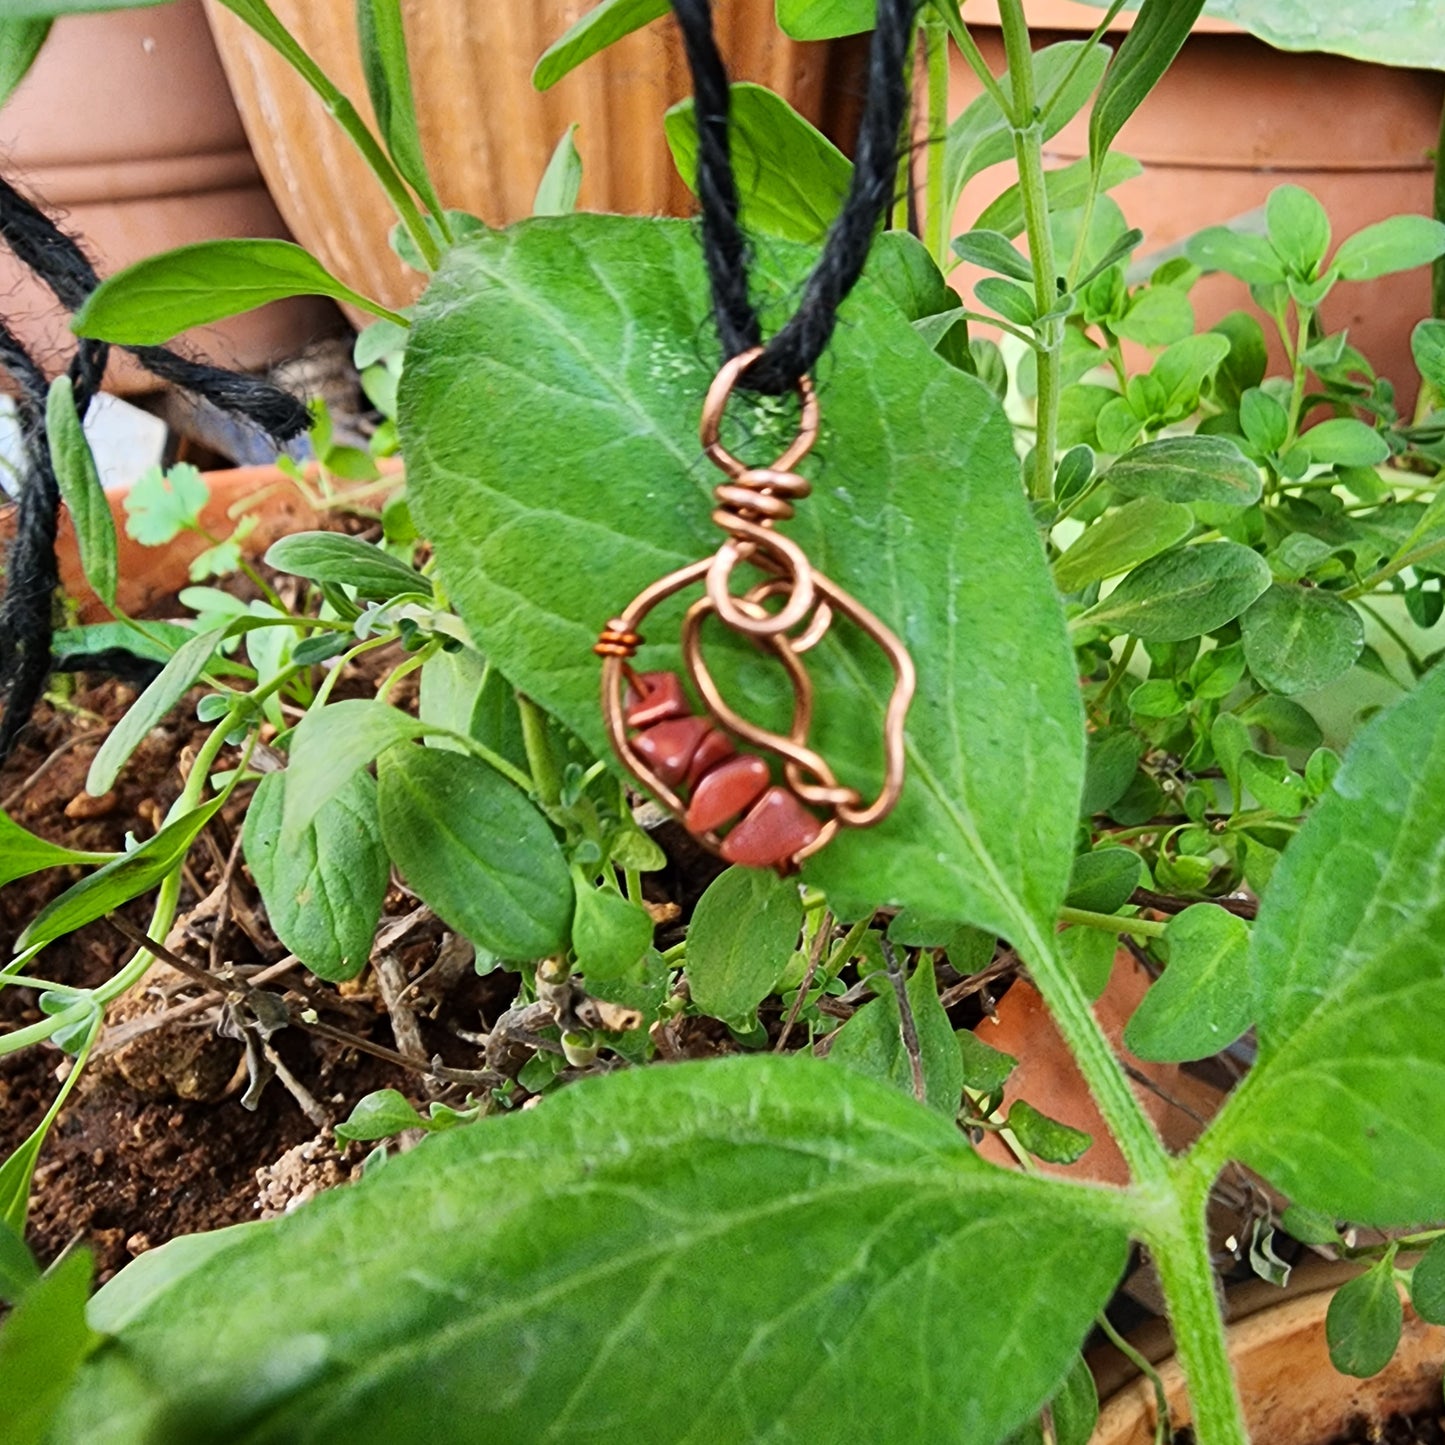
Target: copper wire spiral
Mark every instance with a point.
(750, 502)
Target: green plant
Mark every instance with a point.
(658, 1253)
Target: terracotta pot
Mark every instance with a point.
(1232, 119)
(126, 126)
(1291, 1393)
(486, 132)
(148, 574)
(1048, 1078)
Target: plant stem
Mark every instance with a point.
(1113, 922)
(1028, 137)
(1179, 1247)
(968, 48)
(541, 762)
(1074, 1018)
(1297, 390)
(1141, 1363)
(936, 220)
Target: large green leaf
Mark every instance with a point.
(42, 1345)
(756, 1249)
(549, 402)
(158, 298)
(791, 177)
(1345, 1110)
(20, 43)
(825, 19)
(323, 891)
(1392, 32)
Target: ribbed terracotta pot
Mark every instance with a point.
(1291, 1393)
(126, 126)
(1232, 119)
(487, 133)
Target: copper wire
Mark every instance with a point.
(750, 502)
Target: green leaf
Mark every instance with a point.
(1427, 344)
(983, 832)
(651, 1205)
(981, 136)
(610, 933)
(1046, 1138)
(75, 471)
(475, 849)
(562, 180)
(1399, 244)
(1103, 880)
(1159, 29)
(792, 178)
(1064, 188)
(155, 300)
(1274, 784)
(388, 81)
(1183, 369)
(22, 853)
(175, 679)
(323, 892)
(161, 505)
(1299, 230)
(602, 25)
(1297, 639)
(18, 1270)
(328, 746)
(332, 557)
(1346, 442)
(1287, 722)
(1188, 469)
(994, 252)
(1088, 954)
(380, 1115)
(1121, 540)
(1362, 1324)
(743, 932)
(824, 19)
(1251, 258)
(20, 42)
(120, 880)
(985, 1068)
(42, 1346)
(1184, 593)
(1073, 1412)
(872, 1042)
(1008, 299)
(1202, 1001)
(1427, 1284)
(1265, 421)
(1349, 979)
(1157, 316)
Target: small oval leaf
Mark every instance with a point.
(743, 932)
(1183, 593)
(1188, 469)
(1297, 639)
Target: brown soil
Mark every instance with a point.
(1426, 1428)
(155, 1141)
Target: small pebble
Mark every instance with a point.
(138, 1244)
(82, 805)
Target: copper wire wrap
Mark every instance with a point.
(751, 500)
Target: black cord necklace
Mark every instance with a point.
(779, 803)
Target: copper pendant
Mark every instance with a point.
(782, 799)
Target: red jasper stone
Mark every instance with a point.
(668, 747)
(772, 833)
(654, 697)
(724, 792)
(715, 748)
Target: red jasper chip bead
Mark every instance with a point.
(654, 697)
(725, 792)
(772, 833)
(712, 751)
(668, 747)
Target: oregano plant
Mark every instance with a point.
(1131, 591)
